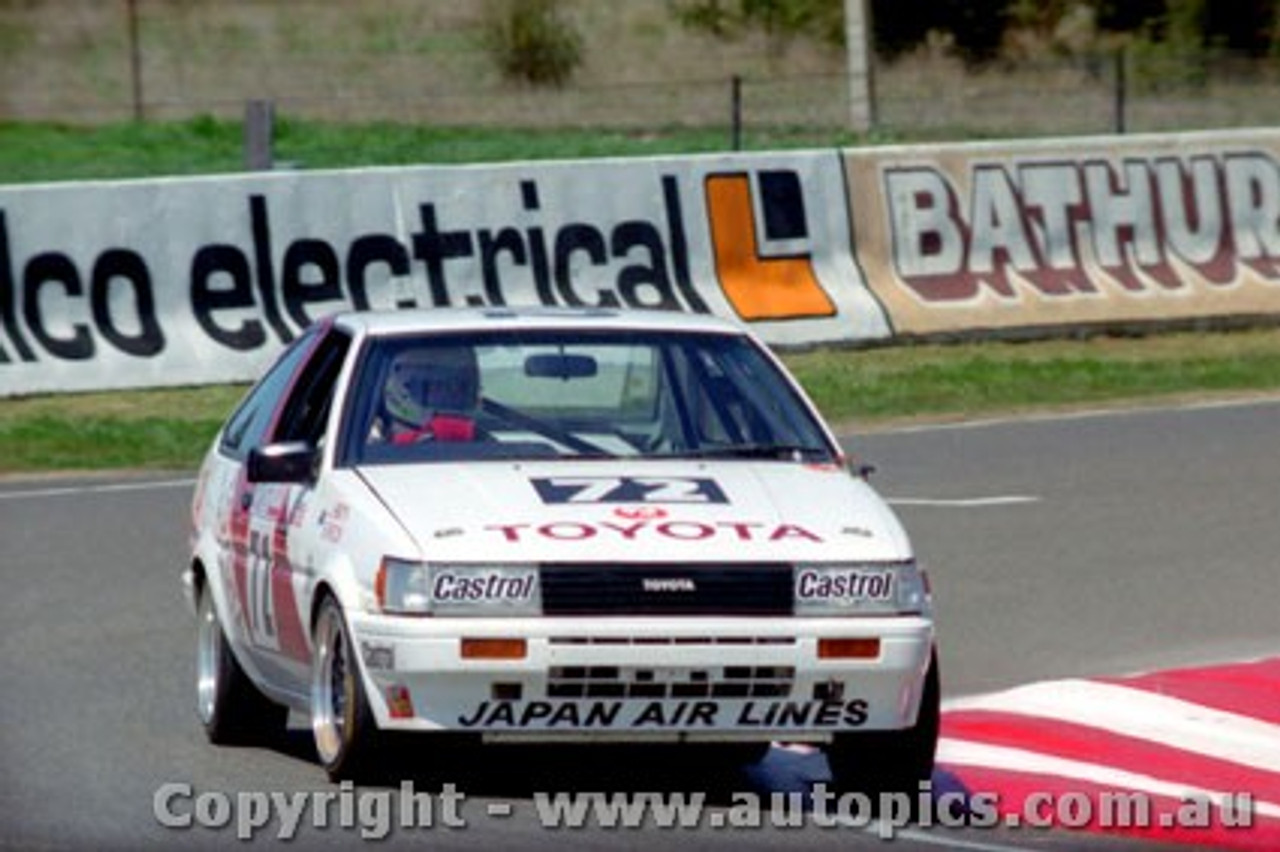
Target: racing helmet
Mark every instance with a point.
(422, 383)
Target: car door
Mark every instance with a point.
(291, 402)
(279, 587)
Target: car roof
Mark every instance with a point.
(417, 320)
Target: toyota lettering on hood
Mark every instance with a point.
(567, 513)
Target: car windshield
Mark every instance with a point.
(523, 394)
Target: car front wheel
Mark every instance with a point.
(341, 720)
(230, 707)
(875, 763)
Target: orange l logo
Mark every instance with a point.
(775, 288)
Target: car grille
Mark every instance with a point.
(667, 589)
(640, 682)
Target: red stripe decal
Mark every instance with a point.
(292, 636)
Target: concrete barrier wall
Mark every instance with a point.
(194, 281)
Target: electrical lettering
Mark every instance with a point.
(249, 295)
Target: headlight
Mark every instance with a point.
(403, 587)
(879, 588)
(417, 588)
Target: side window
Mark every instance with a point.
(251, 420)
(307, 410)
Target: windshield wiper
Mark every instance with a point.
(782, 452)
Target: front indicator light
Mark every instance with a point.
(493, 649)
(848, 649)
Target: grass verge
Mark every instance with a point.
(170, 429)
(980, 379)
(42, 151)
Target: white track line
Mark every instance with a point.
(1141, 715)
(1032, 417)
(924, 838)
(965, 753)
(106, 488)
(965, 502)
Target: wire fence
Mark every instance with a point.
(423, 61)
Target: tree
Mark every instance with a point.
(1245, 25)
(977, 25)
(530, 40)
(898, 27)
(779, 19)
(1129, 16)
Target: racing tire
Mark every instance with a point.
(884, 763)
(345, 731)
(232, 710)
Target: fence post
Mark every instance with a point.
(135, 59)
(259, 136)
(735, 107)
(1121, 91)
(859, 58)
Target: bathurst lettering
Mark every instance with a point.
(1065, 228)
(683, 715)
(642, 530)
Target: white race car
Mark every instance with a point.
(535, 525)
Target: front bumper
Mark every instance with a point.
(644, 678)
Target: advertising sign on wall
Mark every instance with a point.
(166, 282)
(1069, 232)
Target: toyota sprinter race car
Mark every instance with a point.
(534, 525)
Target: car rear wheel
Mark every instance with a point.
(341, 721)
(230, 707)
(890, 762)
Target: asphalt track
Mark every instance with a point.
(1084, 545)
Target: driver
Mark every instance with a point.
(431, 394)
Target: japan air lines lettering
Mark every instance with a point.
(739, 714)
(1136, 225)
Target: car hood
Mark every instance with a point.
(659, 511)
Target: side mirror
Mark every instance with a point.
(860, 468)
(289, 462)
